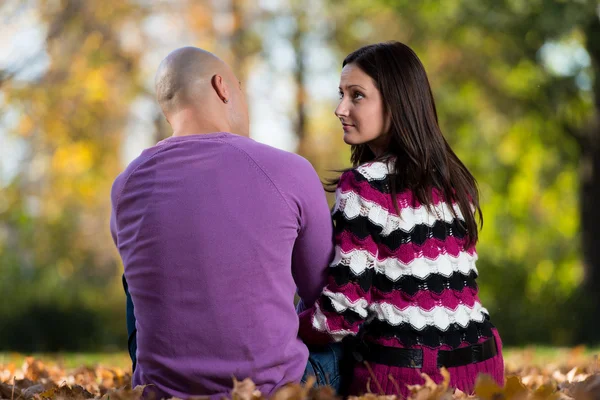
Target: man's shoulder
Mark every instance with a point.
(142, 158)
(265, 150)
(278, 160)
(292, 175)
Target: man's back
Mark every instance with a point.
(215, 232)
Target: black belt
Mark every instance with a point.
(413, 358)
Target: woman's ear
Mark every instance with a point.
(220, 87)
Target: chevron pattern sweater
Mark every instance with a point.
(409, 274)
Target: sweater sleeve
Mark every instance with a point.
(114, 201)
(313, 249)
(344, 302)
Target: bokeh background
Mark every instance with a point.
(517, 85)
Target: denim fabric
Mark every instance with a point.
(325, 364)
(131, 330)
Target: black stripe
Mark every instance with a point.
(409, 284)
(362, 227)
(349, 315)
(381, 185)
(431, 336)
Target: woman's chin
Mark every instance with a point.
(348, 139)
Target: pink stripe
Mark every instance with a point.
(424, 299)
(405, 199)
(431, 249)
(306, 331)
(427, 300)
(336, 322)
(351, 290)
(368, 193)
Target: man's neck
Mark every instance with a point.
(188, 122)
(195, 132)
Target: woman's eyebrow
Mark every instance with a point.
(349, 86)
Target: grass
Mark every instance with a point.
(544, 356)
(72, 360)
(532, 355)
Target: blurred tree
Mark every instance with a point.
(518, 93)
(299, 43)
(71, 120)
(307, 32)
(244, 40)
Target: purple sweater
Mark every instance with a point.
(216, 233)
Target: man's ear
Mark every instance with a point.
(220, 86)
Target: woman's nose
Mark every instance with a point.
(341, 110)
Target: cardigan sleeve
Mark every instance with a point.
(344, 302)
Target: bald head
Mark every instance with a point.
(194, 80)
(184, 75)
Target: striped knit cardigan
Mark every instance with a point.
(410, 275)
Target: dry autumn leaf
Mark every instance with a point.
(36, 380)
(126, 393)
(244, 390)
(514, 389)
(487, 389)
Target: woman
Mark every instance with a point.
(402, 284)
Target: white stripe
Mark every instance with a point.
(359, 260)
(319, 322)
(343, 299)
(354, 205)
(342, 303)
(375, 171)
(440, 317)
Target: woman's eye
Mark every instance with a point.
(340, 95)
(358, 95)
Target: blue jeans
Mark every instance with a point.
(131, 330)
(324, 363)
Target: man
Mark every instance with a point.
(217, 233)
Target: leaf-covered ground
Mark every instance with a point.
(573, 374)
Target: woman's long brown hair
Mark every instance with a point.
(423, 158)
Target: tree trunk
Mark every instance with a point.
(237, 40)
(590, 199)
(300, 81)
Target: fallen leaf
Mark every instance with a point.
(514, 389)
(8, 391)
(244, 390)
(487, 389)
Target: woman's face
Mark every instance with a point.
(361, 110)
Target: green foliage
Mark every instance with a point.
(509, 116)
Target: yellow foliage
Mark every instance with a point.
(95, 86)
(26, 126)
(73, 159)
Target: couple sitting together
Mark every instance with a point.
(219, 233)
